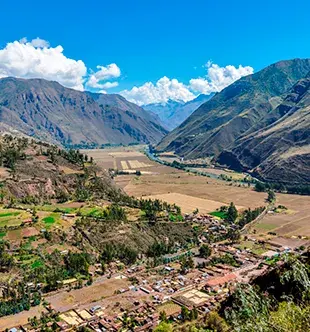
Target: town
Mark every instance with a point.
(187, 284)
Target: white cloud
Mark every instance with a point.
(96, 79)
(160, 92)
(109, 85)
(38, 42)
(36, 59)
(218, 78)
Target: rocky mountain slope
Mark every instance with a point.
(237, 111)
(33, 172)
(173, 113)
(48, 111)
(280, 151)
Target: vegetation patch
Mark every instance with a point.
(37, 263)
(9, 214)
(265, 226)
(219, 214)
(49, 220)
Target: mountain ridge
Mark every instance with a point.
(48, 111)
(173, 113)
(280, 151)
(235, 111)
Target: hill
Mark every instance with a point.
(48, 111)
(173, 113)
(238, 110)
(280, 151)
(34, 172)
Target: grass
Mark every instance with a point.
(256, 248)
(2, 234)
(219, 214)
(265, 226)
(49, 220)
(36, 264)
(10, 222)
(90, 211)
(9, 214)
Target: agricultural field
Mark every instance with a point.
(64, 301)
(222, 172)
(12, 217)
(21, 318)
(292, 221)
(191, 191)
(170, 308)
(189, 203)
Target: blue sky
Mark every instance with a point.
(148, 40)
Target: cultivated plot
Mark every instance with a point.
(291, 222)
(189, 203)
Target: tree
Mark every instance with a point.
(232, 212)
(193, 314)
(271, 196)
(233, 235)
(163, 327)
(77, 263)
(204, 251)
(215, 322)
(260, 187)
(163, 316)
(187, 263)
(185, 314)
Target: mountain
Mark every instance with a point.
(280, 151)
(238, 110)
(48, 111)
(173, 113)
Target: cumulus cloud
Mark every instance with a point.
(160, 92)
(218, 78)
(36, 59)
(103, 73)
(38, 42)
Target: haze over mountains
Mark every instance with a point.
(258, 123)
(48, 111)
(173, 113)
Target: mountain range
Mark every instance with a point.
(173, 113)
(48, 111)
(260, 124)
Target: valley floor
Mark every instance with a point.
(191, 191)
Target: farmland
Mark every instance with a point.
(293, 221)
(191, 191)
(122, 158)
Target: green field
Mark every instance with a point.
(219, 214)
(49, 220)
(36, 264)
(9, 214)
(8, 218)
(10, 222)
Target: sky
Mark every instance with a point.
(149, 51)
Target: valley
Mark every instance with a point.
(191, 191)
(155, 166)
(90, 254)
